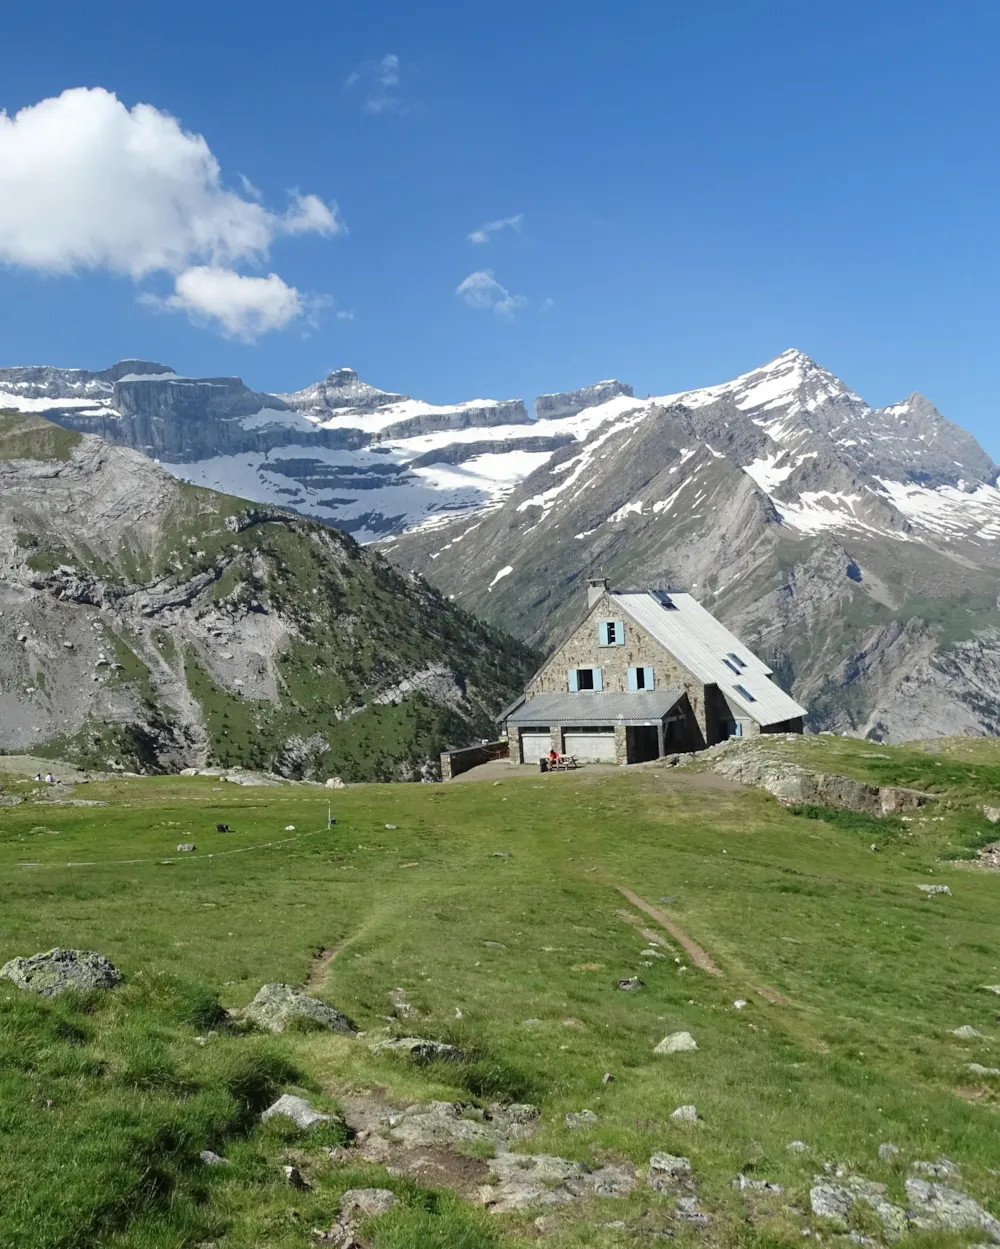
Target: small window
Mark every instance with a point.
(740, 663)
(733, 667)
(745, 693)
(640, 678)
(585, 679)
(611, 633)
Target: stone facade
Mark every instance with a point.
(583, 650)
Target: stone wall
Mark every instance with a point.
(640, 650)
(455, 762)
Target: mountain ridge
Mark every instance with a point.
(149, 625)
(859, 546)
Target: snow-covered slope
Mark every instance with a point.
(363, 459)
(857, 547)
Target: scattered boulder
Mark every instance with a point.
(446, 1123)
(931, 890)
(295, 1177)
(943, 1169)
(57, 970)
(525, 1180)
(420, 1049)
(630, 984)
(366, 1203)
(403, 1007)
(992, 814)
(836, 1201)
(887, 1151)
(298, 1110)
(186, 847)
(334, 782)
(667, 1172)
(685, 1114)
(276, 1005)
(740, 1004)
(581, 1119)
(978, 1070)
(935, 1206)
(966, 1033)
(676, 1043)
(797, 1147)
(211, 1159)
(992, 988)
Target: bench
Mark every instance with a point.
(565, 763)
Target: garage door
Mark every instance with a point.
(535, 746)
(592, 747)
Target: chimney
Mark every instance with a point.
(596, 587)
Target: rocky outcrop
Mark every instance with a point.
(794, 785)
(278, 1007)
(58, 970)
(569, 402)
(340, 391)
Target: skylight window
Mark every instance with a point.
(744, 693)
(733, 658)
(732, 667)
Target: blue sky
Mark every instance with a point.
(697, 187)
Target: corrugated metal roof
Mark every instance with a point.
(702, 644)
(591, 707)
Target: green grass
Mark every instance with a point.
(873, 976)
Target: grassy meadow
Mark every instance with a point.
(853, 980)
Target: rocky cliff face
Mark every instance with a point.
(148, 625)
(569, 403)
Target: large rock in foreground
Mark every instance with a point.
(276, 1006)
(57, 970)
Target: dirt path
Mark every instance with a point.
(321, 961)
(699, 957)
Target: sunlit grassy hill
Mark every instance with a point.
(853, 980)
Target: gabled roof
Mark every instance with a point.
(595, 707)
(710, 652)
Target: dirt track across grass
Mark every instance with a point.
(701, 958)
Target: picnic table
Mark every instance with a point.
(565, 763)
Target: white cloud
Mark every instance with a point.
(87, 184)
(243, 307)
(380, 81)
(345, 314)
(482, 290)
(482, 235)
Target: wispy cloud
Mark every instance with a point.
(379, 82)
(482, 290)
(345, 314)
(482, 235)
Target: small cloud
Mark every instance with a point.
(546, 305)
(242, 307)
(345, 315)
(380, 82)
(482, 235)
(482, 290)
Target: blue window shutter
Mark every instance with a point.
(649, 679)
(573, 687)
(633, 683)
(598, 685)
(619, 632)
(602, 633)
